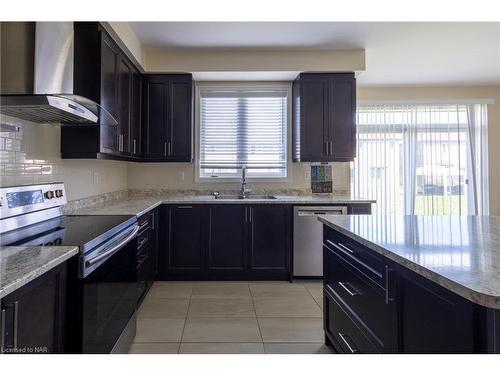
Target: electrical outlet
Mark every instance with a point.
(95, 178)
(180, 176)
(307, 175)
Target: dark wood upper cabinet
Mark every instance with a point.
(168, 117)
(108, 94)
(136, 116)
(125, 76)
(103, 73)
(324, 110)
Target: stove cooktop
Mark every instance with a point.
(70, 230)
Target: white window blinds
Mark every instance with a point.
(243, 128)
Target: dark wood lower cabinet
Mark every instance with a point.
(225, 242)
(34, 315)
(182, 248)
(147, 252)
(270, 241)
(390, 309)
(226, 251)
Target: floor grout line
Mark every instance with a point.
(314, 299)
(185, 320)
(257, 318)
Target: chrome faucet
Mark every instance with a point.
(244, 190)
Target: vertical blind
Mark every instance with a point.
(243, 128)
(422, 159)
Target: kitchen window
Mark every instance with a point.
(243, 127)
(422, 159)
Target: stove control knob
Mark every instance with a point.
(59, 193)
(49, 194)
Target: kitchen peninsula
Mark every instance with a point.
(412, 284)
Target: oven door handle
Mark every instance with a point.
(114, 249)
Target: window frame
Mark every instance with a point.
(255, 85)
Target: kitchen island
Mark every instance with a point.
(412, 284)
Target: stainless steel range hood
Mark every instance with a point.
(37, 76)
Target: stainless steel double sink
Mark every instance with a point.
(247, 196)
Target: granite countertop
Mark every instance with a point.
(21, 264)
(139, 206)
(460, 253)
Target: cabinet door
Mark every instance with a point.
(270, 244)
(184, 243)
(226, 240)
(341, 117)
(35, 315)
(135, 135)
(449, 328)
(109, 94)
(155, 141)
(314, 128)
(125, 100)
(180, 118)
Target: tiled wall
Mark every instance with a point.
(32, 156)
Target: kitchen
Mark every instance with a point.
(248, 188)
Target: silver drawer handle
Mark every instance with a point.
(185, 207)
(142, 242)
(349, 288)
(342, 246)
(2, 330)
(348, 341)
(16, 322)
(346, 248)
(388, 297)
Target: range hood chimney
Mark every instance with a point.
(37, 76)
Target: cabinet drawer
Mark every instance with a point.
(357, 255)
(349, 337)
(146, 221)
(365, 300)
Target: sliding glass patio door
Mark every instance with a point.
(422, 159)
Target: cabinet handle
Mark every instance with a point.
(246, 214)
(346, 248)
(387, 292)
(187, 207)
(348, 341)
(16, 322)
(165, 148)
(134, 146)
(2, 330)
(169, 148)
(349, 288)
(342, 246)
(331, 148)
(142, 242)
(250, 214)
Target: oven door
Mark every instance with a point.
(109, 292)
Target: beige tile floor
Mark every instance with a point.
(212, 317)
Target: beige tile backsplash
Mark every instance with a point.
(32, 156)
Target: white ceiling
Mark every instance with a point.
(396, 53)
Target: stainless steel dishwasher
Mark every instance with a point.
(308, 238)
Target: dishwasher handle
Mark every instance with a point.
(318, 212)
